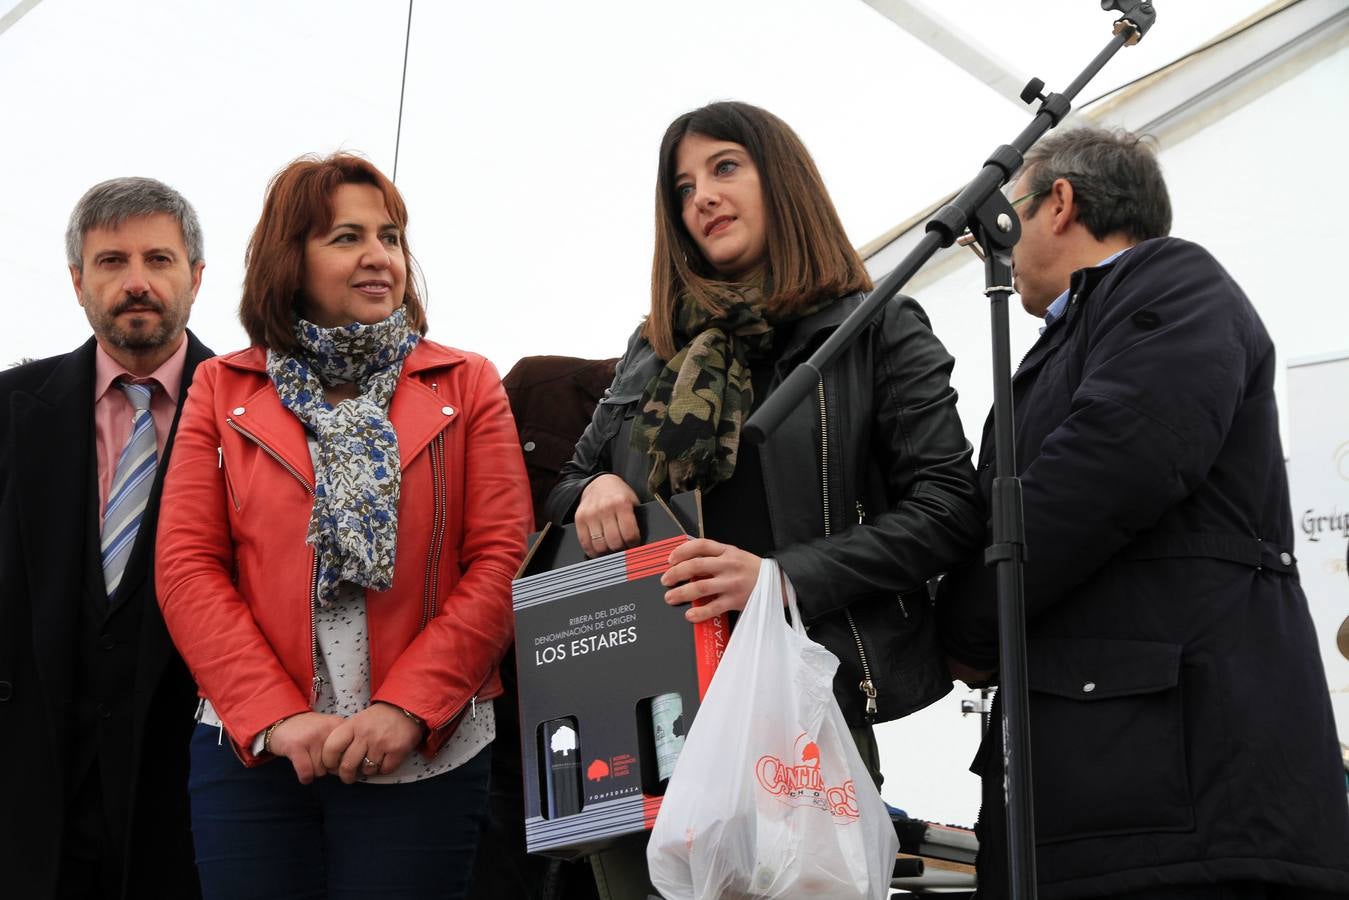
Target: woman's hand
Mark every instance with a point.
(374, 741)
(604, 517)
(300, 739)
(720, 575)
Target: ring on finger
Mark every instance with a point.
(597, 535)
(369, 763)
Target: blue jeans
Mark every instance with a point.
(261, 835)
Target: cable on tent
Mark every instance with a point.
(402, 92)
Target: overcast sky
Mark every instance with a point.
(529, 136)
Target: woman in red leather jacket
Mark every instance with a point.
(344, 512)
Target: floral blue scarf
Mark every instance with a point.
(354, 525)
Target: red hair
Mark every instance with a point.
(299, 205)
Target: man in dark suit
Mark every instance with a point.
(1182, 743)
(552, 399)
(96, 708)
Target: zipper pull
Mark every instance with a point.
(315, 688)
(902, 608)
(473, 706)
(220, 457)
(861, 513)
(869, 689)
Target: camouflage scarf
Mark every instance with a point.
(691, 412)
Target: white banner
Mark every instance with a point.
(1318, 474)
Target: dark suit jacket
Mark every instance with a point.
(49, 569)
(1180, 727)
(552, 399)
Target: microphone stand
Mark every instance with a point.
(982, 209)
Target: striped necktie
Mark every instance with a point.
(131, 485)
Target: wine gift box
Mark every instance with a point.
(610, 677)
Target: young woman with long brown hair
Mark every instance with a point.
(863, 494)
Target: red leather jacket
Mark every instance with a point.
(236, 579)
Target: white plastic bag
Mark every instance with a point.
(770, 798)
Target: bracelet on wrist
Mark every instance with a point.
(416, 719)
(267, 735)
(411, 716)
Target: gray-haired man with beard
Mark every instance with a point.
(95, 705)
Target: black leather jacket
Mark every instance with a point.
(893, 503)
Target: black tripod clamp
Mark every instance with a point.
(984, 205)
(1138, 15)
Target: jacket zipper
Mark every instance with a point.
(470, 709)
(431, 583)
(866, 686)
(824, 455)
(862, 520)
(316, 684)
(270, 452)
(1072, 301)
(225, 473)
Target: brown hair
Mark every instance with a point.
(299, 204)
(808, 252)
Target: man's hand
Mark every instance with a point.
(720, 575)
(300, 739)
(604, 517)
(374, 741)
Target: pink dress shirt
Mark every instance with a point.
(112, 410)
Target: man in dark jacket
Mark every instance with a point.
(95, 705)
(1182, 741)
(552, 399)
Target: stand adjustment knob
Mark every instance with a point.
(1034, 90)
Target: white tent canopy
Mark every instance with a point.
(528, 147)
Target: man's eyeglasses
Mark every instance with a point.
(1025, 197)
